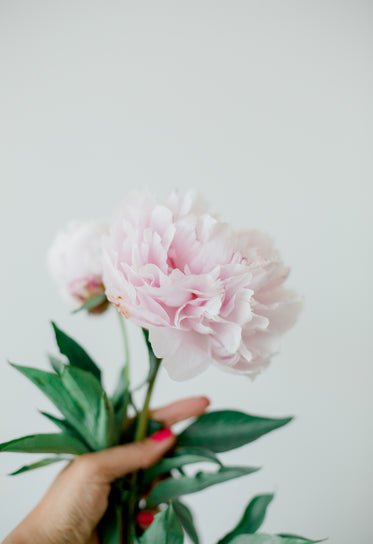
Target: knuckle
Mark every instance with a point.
(85, 466)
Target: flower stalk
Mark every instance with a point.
(140, 434)
(143, 419)
(123, 330)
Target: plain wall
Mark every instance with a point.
(266, 108)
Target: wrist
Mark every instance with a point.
(25, 533)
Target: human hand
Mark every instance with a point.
(75, 503)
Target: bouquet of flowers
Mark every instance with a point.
(203, 294)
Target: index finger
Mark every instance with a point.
(180, 410)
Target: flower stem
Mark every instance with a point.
(142, 423)
(123, 330)
(140, 434)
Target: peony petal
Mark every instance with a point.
(207, 294)
(190, 359)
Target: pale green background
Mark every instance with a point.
(266, 107)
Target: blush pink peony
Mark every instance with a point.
(206, 293)
(75, 261)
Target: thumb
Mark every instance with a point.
(113, 463)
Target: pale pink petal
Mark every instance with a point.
(75, 261)
(207, 294)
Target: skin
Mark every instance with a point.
(73, 506)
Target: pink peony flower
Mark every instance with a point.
(75, 261)
(206, 293)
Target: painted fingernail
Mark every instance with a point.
(145, 518)
(161, 435)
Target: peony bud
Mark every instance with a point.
(75, 262)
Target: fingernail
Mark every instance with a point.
(145, 518)
(161, 435)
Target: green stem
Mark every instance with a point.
(140, 434)
(123, 330)
(142, 422)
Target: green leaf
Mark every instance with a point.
(51, 385)
(165, 529)
(76, 355)
(39, 464)
(270, 539)
(105, 424)
(185, 517)
(226, 430)
(175, 487)
(92, 303)
(85, 389)
(257, 539)
(45, 443)
(120, 400)
(77, 395)
(252, 518)
(299, 538)
(56, 363)
(64, 426)
(180, 457)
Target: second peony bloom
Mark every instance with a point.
(206, 293)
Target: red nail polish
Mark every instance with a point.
(163, 434)
(145, 518)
